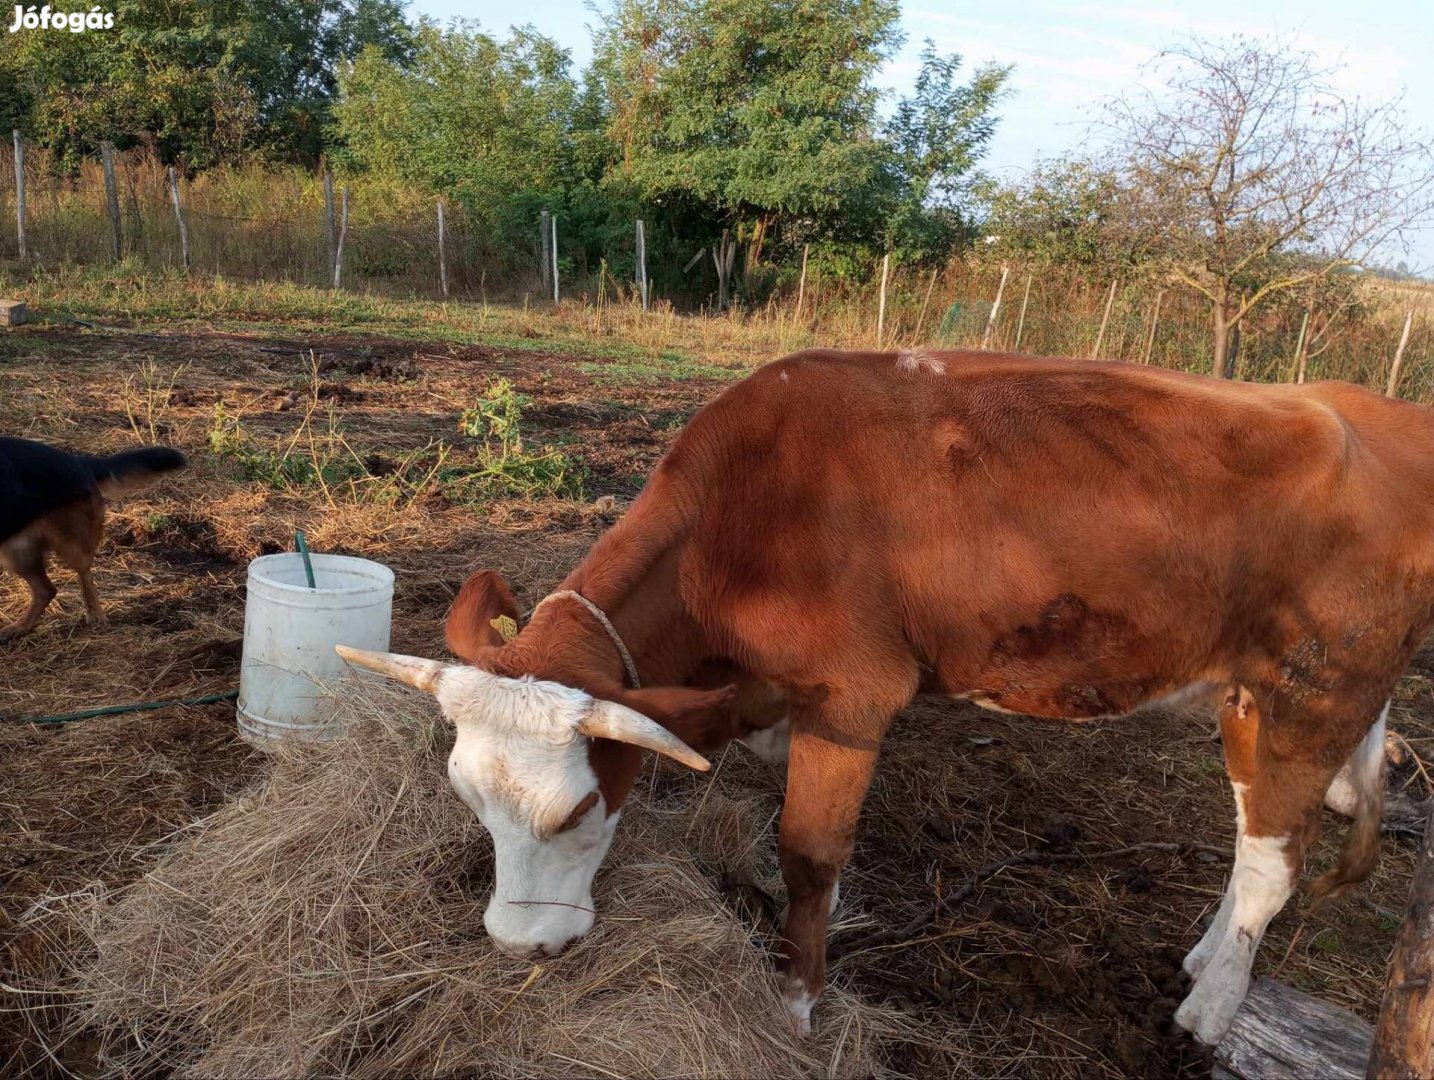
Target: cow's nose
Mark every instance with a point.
(528, 950)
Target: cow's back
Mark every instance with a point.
(1054, 536)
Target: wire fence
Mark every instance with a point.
(259, 223)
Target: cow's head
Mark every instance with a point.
(546, 768)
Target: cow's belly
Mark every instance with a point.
(1088, 701)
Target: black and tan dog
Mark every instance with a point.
(54, 501)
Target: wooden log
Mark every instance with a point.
(20, 191)
(107, 160)
(925, 303)
(1285, 1034)
(12, 312)
(1404, 1036)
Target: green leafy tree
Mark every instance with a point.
(488, 122)
(199, 80)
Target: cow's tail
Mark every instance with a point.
(1358, 791)
(131, 470)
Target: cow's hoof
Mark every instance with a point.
(1210, 1008)
(799, 1007)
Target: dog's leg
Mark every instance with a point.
(76, 545)
(24, 557)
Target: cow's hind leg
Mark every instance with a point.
(1279, 776)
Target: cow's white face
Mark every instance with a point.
(520, 761)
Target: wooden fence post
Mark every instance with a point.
(926, 301)
(1301, 344)
(642, 262)
(724, 255)
(107, 159)
(20, 192)
(1394, 372)
(1100, 337)
(553, 247)
(442, 255)
(881, 303)
(1154, 325)
(802, 281)
(343, 232)
(995, 310)
(1404, 1033)
(330, 229)
(1021, 322)
(545, 238)
(179, 217)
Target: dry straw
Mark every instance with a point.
(330, 923)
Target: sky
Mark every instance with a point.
(1070, 56)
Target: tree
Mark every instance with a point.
(1060, 213)
(199, 80)
(487, 122)
(761, 116)
(937, 136)
(1249, 175)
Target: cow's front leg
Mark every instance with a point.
(826, 783)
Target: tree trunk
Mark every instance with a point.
(1220, 341)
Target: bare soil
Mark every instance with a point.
(1062, 970)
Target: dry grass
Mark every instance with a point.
(329, 923)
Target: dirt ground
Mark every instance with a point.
(1063, 969)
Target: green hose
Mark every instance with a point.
(303, 545)
(115, 710)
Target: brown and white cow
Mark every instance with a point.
(1055, 538)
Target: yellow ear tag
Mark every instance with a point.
(506, 626)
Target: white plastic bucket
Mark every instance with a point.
(290, 631)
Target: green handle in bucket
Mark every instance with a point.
(303, 546)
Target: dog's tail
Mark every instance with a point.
(131, 470)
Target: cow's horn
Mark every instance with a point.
(609, 720)
(413, 670)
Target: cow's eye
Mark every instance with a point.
(579, 812)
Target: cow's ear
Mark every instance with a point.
(475, 621)
(701, 718)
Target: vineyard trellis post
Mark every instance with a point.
(442, 255)
(179, 218)
(20, 192)
(1302, 344)
(107, 160)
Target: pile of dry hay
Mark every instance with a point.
(330, 922)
